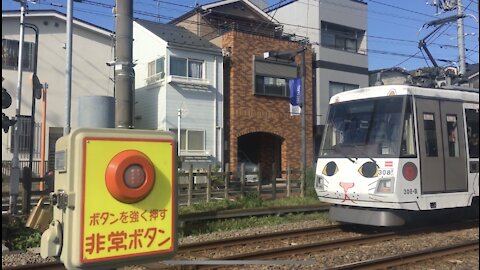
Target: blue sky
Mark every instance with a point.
(393, 26)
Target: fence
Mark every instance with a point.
(7, 167)
(204, 186)
(193, 186)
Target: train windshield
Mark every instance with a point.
(380, 127)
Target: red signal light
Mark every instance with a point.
(409, 171)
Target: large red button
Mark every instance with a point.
(130, 176)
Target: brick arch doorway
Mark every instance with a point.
(262, 148)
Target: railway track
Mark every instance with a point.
(285, 252)
(412, 257)
(215, 244)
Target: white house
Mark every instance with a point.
(92, 49)
(179, 81)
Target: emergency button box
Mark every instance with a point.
(115, 195)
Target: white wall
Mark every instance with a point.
(90, 74)
(202, 105)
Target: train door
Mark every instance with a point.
(454, 146)
(442, 146)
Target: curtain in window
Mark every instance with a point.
(195, 69)
(195, 140)
(151, 68)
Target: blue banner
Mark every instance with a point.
(295, 96)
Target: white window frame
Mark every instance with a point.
(156, 75)
(187, 62)
(184, 136)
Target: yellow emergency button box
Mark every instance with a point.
(114, 199)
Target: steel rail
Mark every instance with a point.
(191, 247)
(310, 247)
(238, 213)
(37, 266)
(325, 245)
(257, 238)
(412, 257)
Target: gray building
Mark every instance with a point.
(337, 30)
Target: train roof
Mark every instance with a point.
(461, 94)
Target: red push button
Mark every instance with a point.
(130, 176)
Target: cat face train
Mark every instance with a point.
(393, 153)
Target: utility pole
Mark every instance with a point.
(304, 133)
(179, 132)
(124, 73)
(15, 173)
(68, 69)
(461, 39)
(36, 86)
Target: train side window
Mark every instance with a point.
(472, 132)
(452, 132)
(408, 148)
(430, 134)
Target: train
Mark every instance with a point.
(393, 153)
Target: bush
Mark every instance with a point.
(310, 183)
(18, 237)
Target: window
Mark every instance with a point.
(10, 54)
(191, 141)
(472, 132)
(341, 37)
(271, 86)
(368, 128)
(336, 87)
(186, 67)
(430, 134)
(452, 132)
(408, 147)
(156, 70)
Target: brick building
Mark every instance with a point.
(258, 125)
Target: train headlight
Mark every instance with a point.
(385, 185)
(330, 169)
(319, 182)
(369, 170)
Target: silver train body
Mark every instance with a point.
(392, 153)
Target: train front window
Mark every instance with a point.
(381, 127)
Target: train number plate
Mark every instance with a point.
(385, 172)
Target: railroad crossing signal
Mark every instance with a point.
(7, 122)
(114, 200)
